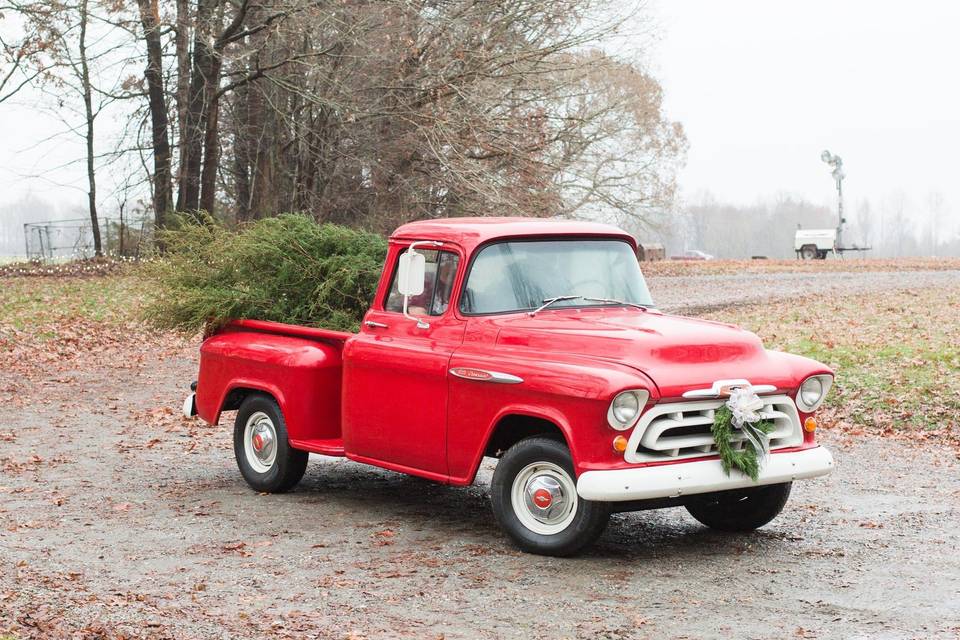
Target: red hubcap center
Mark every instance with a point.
(258, 442)
(542, 498)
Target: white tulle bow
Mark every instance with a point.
(745, 406)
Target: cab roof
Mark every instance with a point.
(472, 232)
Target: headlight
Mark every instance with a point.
(625, 408)
(812, 392)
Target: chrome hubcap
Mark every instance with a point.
(260, 442)
(263, 440)
(544, 498)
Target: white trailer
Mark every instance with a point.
(815, 243)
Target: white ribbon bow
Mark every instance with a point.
(745, 405)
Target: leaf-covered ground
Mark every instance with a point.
(119, 519)
(82, 268)
(896, 356)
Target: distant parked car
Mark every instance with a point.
(693, 254)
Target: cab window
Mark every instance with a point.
(438, 285)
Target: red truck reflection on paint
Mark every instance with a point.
(532, 341)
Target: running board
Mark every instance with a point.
(330, 447)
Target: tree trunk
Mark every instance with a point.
(211, 141)
(191, 159)
(240, 149)
(162, 179)
(182, 95)
(89, 117)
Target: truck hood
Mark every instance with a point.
(677, 353)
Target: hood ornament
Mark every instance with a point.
(725, 388)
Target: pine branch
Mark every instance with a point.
(745, 460)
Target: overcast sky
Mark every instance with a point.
(761, 87)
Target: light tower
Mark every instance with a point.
(838, 175)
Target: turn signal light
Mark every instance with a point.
(619, 444)
(810, 425)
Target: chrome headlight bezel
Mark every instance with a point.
(620, 416)
(825, 381)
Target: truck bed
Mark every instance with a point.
(280, 328)
(298, 366)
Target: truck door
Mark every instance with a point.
(395, 373)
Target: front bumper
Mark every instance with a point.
(705, 476)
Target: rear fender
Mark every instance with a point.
(302, 375)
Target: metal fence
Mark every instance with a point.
(72, 239)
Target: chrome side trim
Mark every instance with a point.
(483, 375)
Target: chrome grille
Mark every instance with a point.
(676, 430)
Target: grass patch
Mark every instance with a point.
(896, 355)
(33, 304)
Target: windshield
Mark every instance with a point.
(521, 276)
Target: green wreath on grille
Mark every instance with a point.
(746, 459)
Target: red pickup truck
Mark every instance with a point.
(535, 342)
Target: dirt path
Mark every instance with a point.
(119, 518)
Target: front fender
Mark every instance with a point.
(572, 393)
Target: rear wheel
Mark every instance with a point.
(535, 501)
(808, 252)
(260, 444)
(740, 509)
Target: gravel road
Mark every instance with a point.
(117, 518)
(691, 294)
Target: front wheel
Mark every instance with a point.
(264, 455)
(535, 500)
(740, 509)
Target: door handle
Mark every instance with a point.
(375, 325)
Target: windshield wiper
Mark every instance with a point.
(623, 302)
(549, 301)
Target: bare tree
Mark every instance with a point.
(86, 90)
(159, 114)
(865, 222)
(401, 110)
(375, 113)
(65, 57)
(935, 220)
(21, 57)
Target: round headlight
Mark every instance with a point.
(625, 408)
(812, 392)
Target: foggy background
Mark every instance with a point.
(760, 89)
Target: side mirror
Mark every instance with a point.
(411, 277)
(412, 272)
